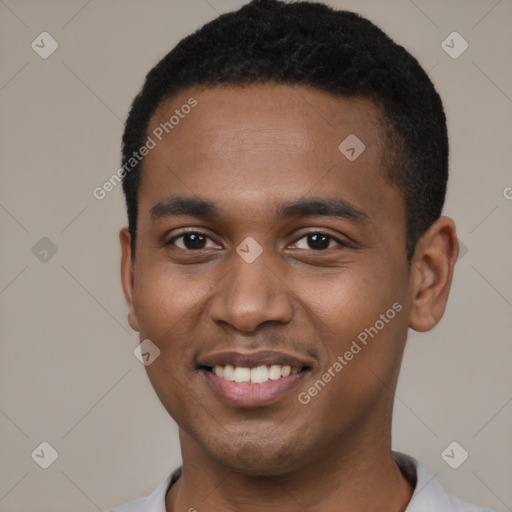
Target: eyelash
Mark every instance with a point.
(305, 235)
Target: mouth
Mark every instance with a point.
(257, 375)
(253, 379)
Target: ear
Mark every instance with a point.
(431, 274)
(127, 279)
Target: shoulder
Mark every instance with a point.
(154, 502)
(131, 506)
(429, 495)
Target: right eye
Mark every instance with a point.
(190, 241)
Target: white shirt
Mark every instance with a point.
(428, 496)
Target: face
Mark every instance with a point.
(264, 253)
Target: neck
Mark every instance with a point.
(348, 475)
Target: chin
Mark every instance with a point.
(257, 455)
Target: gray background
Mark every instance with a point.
(67, 372)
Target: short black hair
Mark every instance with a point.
(310, 44)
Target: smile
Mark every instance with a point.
(252, 380)
(257, 375)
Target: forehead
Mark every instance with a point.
(240, 144)
(266, 113)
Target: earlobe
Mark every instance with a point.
(431, 274)
(127, 276)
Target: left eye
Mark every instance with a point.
(318, 241)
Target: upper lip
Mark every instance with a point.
(253, 359)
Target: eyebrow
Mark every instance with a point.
(321, 207)
(182, 205)
(306, 207)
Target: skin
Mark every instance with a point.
(248, 150)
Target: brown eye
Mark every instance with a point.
(318, 241)
(190, 241)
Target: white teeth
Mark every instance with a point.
(274, 372)
(242, 374)
(229, 372)
(257, 375)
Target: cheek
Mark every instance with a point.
(363, 354)
(165, 303)
(354, 300)
(167, 311)
(363, 315)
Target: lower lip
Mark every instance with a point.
(244, 394)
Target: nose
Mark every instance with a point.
(251, 295)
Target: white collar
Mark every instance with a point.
(428, 496)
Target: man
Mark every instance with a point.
(285, 170)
